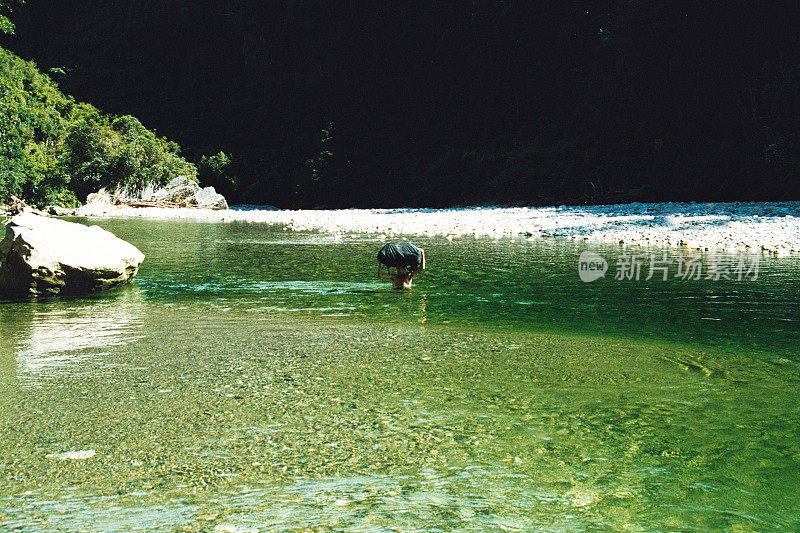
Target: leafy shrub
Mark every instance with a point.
(54, 150)
(218, 171)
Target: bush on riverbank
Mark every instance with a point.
(54, 150)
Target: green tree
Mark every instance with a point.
(219, 172)
(54, 150)
(320, 164)
(6, 26)
(325, 179)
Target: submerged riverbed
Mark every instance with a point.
(254, 380)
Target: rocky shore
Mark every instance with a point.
(181, 192)
(772, 227)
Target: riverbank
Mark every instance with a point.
(772, 227)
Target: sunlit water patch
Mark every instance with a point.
(501, 284)
(54, 334)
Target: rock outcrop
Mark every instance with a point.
(208, 198)
(59, 211)
(180, 192)
(46, 256)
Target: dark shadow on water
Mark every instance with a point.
(70, 296)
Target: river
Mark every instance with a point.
(254, 379)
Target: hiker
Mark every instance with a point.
(406, 258)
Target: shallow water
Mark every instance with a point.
(259, 380)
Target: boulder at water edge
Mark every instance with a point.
(177, 191)
(208, 198)
(46, 256)
(180, 192)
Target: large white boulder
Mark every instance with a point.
(46, 256)
(177, 191)
(208, 198)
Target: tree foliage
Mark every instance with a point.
(54, 150)
(6, 26)
(218, 171)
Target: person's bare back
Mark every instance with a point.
(400, 280)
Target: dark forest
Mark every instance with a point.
(381, 104)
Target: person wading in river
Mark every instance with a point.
(406, 258)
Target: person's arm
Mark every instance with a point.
(381, 274)
(420, 268)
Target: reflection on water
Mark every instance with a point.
(255, 381)
(54, 334)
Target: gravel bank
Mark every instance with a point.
(769, 227)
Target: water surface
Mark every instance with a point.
(260, 380)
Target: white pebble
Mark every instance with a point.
(82, 454)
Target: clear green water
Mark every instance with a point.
(254, 379)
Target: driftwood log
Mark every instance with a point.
(133, 202)
(18, 206)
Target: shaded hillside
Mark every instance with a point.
(442, 103)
